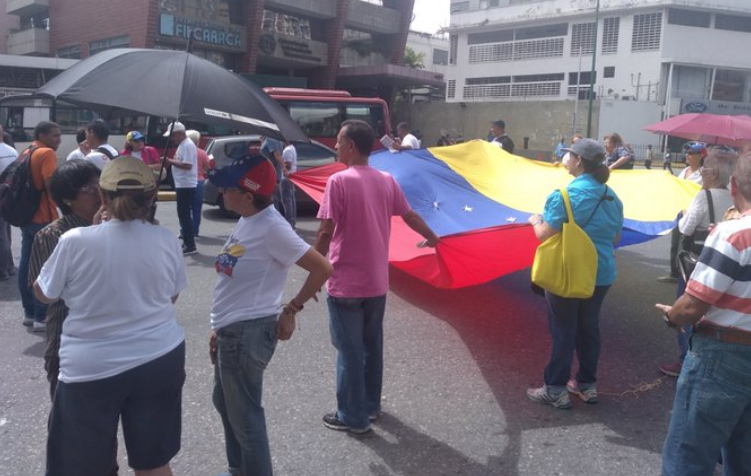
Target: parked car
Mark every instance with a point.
(224, 150)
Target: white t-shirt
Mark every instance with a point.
(99, 158)
(697, 215)
(187, 154)
(76, 154)
(7, 155)
(695, 176)
(289, 154)
(119, 294)
(411, 140)
(252, 268)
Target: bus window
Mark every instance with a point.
(372, 114)
(316, 119)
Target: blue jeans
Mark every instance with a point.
(31, 306)
(683, 337)
(197, 206)
(575, 327)
(6, 256)
(184, 207)
(356, 327)
(289, 204)
(711, 411)
(244, 349)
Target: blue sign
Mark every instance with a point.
(204, 32)
(696, 107)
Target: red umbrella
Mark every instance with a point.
(710, 128)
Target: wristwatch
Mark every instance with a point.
(667, 320)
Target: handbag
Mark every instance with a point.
(690, 246)
(566, 263)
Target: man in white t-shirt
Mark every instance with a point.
(289, 156)
(83, 148)
(97, 134)
(406, 140)
(185, 173)
(7, 155)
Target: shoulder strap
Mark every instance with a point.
(106, 152)
(602, 199)
(711, 205)
(567, 202)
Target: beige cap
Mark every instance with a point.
(130, 169)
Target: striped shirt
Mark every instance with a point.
(45, 242)
(722, 276)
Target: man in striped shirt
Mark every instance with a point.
(712, 408)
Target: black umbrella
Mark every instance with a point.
(173, 84)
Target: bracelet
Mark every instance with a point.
(289, 311)
(667, 320)
(296, 307)
(538, 222)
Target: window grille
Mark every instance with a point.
(534, 49)
(451, 89)
(582, 38)
(536, 89)
(608, 72)
(610, 31)
(491, 53)
(454, 44)
(647, 31)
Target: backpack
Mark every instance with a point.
(106, 152)
(19, 199)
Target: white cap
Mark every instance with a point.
(174, 127)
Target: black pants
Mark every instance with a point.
(185, 198)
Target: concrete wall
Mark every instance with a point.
(628, 119)
(544, 122)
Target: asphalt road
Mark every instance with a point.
(457, 364)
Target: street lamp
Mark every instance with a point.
(593, 71)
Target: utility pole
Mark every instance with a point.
(593, 71)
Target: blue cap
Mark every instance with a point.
(695, 148)
(135, 136)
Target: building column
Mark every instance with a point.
(325, 78)
(253, 23)
(398, 41)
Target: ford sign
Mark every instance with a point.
(695, 107)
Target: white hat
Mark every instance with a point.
(174, 127)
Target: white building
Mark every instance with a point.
(434, 50)
(677, 55)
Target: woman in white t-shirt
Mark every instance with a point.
(122, 352)
(245, 316)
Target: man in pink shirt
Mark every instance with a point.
(355, 226)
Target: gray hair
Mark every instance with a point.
(724, 162)
(743, 175)
(193, 135)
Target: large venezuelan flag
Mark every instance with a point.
(477, 198)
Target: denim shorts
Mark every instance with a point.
(82, 438)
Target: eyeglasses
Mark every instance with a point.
(91, 187)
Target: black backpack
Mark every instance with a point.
(19, 199)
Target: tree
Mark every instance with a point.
(413, 59)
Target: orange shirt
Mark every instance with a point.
(43, 165)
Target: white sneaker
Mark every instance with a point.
(39, 327)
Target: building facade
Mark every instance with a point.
(350, 44)
(680, 55)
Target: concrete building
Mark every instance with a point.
(350, 44)
(434, 51)
(654, 58)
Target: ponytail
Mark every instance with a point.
(598, 170)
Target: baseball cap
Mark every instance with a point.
(174, 127)
(587, 149)
(695, 148)
(135, 136)
(138, 174)
(500, 123)
(255, 175)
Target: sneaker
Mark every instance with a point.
(189, 251)
(374, 416)
(588, 395)
(671, 370)
(667, 279)
(541, 395)
(330, 420)
(39, 326)
(27, 321)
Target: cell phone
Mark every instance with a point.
(152, 212)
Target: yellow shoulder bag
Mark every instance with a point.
(566, 263)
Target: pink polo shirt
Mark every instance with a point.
(361, 201)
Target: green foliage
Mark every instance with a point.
(413, 59)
